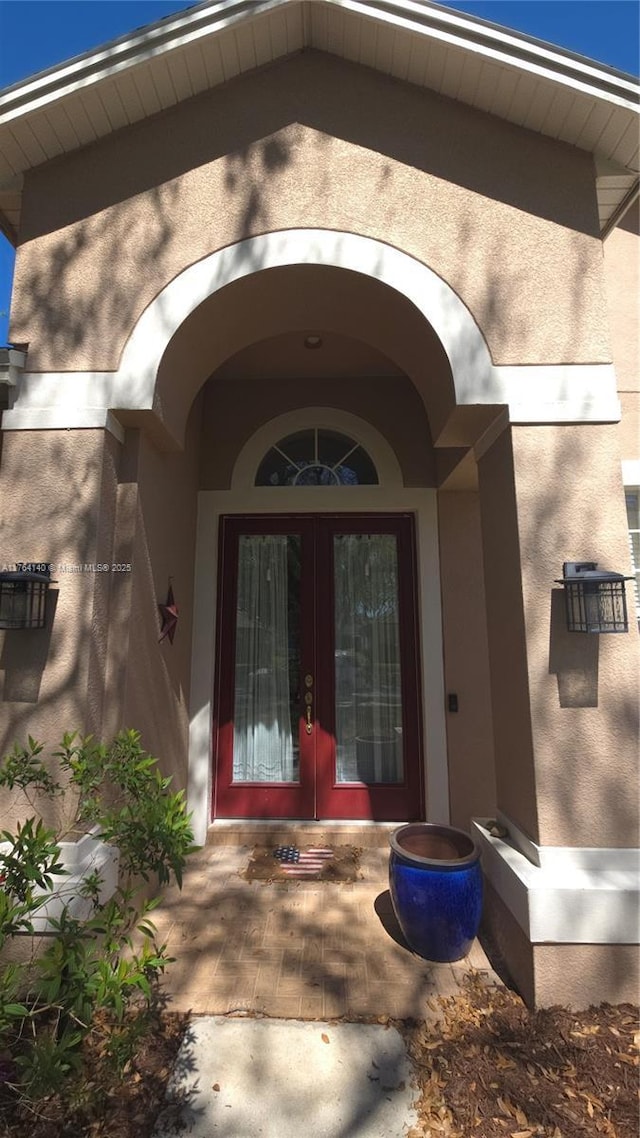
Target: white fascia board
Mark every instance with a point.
(119, 55)
(575, 896)
(460, 32)
(503, 47)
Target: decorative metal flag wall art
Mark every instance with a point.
(169, 615)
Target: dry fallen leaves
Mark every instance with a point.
(490, 1068)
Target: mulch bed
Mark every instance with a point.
(98, 1104)
(493, 1069)
(343, 867)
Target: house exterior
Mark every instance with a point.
(325, 318)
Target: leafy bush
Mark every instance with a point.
(86, 975)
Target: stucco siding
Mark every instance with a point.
(510, 703)
(314, 142)
(466, 662)
(583, 688)
(575, 975)
(622, 275)
(156, 700)
(52, 680)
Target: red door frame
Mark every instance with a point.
(318, 795)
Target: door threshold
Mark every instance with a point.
(291, 831)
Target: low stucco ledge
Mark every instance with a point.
(572, 896)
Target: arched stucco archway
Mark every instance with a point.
(143, 389)
(426, 323)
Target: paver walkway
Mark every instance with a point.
(296, 949)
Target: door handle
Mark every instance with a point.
(309, 726)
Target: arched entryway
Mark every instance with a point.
(418, 351)
(360, 759)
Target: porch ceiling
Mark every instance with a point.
(525, 81)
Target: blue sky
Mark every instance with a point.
(36, 34)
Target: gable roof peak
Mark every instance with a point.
(505, 73)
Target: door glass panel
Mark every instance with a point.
(267, 660)
(367, 659)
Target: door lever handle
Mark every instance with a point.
(309, 726)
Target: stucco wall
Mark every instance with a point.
(583, 687)
(622, 276)
(314, 141)
(563, 501)
(55, 679)
(466, 663)
(512, 730)
(156, 698)
(630, 425)
(574, 975)
(97, 667)
(236, 406)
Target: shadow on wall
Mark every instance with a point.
(573, 658)
(265, 141)
(24, 656)
(75, 310)
(571, 507)
(325, 94)
(48, 513)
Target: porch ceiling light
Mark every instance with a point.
(23, 596)
(595, 598)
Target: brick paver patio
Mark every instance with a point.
(295, 949)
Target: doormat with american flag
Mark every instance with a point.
(303, 863)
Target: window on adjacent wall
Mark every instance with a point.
(632, 495)
(317, 457)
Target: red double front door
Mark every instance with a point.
(317, 710)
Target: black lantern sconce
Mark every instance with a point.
(23, 598)
(595, 598)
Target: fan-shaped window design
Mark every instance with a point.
(317, 457)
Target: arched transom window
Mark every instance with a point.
(317, 457)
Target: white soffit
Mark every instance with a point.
(517, 78)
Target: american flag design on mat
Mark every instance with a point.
(295, 862)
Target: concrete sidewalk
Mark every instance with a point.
(261, 1078)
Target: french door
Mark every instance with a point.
(317, 708)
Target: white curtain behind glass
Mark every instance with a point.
(262, 743)
(367, 640)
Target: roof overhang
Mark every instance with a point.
(517, 78)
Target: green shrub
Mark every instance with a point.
(92, 971)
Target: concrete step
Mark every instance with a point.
(251, 832)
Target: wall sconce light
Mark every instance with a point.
(23, 596)
(595, 598)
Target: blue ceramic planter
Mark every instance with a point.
(436, 889)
